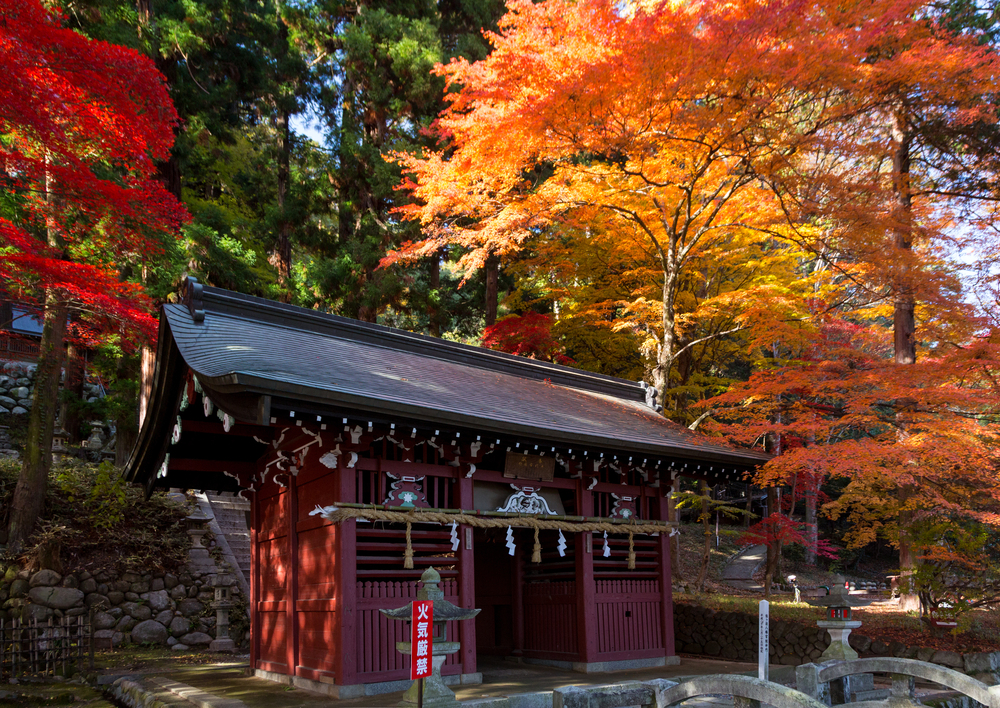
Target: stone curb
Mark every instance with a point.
(196, 696)
(131, 694)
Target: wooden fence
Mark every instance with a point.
(57, 647)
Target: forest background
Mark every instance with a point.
(780, 215)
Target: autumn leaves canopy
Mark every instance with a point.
(792, 176)
(775, 187)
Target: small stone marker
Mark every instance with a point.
(764, 643)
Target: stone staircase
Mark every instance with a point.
(740, 569)
(230, 525)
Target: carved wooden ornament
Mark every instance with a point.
(406, 492)
(624, 508)
(526, 500)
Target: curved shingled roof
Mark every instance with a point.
(255, 356)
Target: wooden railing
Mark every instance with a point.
(18, 348)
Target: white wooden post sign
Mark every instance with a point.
(764, 645)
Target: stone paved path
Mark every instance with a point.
(228, 685)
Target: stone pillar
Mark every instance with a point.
(839, 647)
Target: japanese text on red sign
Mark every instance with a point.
(421, 641)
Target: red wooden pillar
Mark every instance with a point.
(586, 589)
(466, 579)
(254, 581)
(666, 585)
(292, 579)
(517, 599)
(346, 568)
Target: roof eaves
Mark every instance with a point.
(278, 389)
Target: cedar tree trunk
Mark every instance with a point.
(127, 420)
(435, 309)
(706, 552)
(675, 539)
(76, 371)
(281, 256)
(904, 325)
(773, 545)
(29, 495)
(812, 531)
(492, 284)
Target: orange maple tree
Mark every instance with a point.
(681, 133)
(81, 124)
(897, 393)
(670, 125)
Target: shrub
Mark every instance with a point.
(97, 520)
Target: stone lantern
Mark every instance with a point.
(838, 620)
(222, 583)
(198, 556)
(60, 441)
(435, 694)
(95, 441)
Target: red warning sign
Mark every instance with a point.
(421, 642)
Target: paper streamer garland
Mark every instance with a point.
(369, 514)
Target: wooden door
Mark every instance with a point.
(494, 593)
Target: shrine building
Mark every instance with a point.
(539, 492)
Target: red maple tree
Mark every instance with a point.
(527, 335)
(82, 124)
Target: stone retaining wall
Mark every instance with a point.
(733, 635)
(160, 608)
(17, 385)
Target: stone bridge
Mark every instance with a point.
(817, 684)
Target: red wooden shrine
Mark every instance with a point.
(298, 411)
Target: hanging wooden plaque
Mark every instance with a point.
(518, 466)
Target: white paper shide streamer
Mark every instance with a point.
(510, 541)
(561, 546)
(607, 548)
(454, 535)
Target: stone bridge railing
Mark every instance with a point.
(813, 681)
(747, 692)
